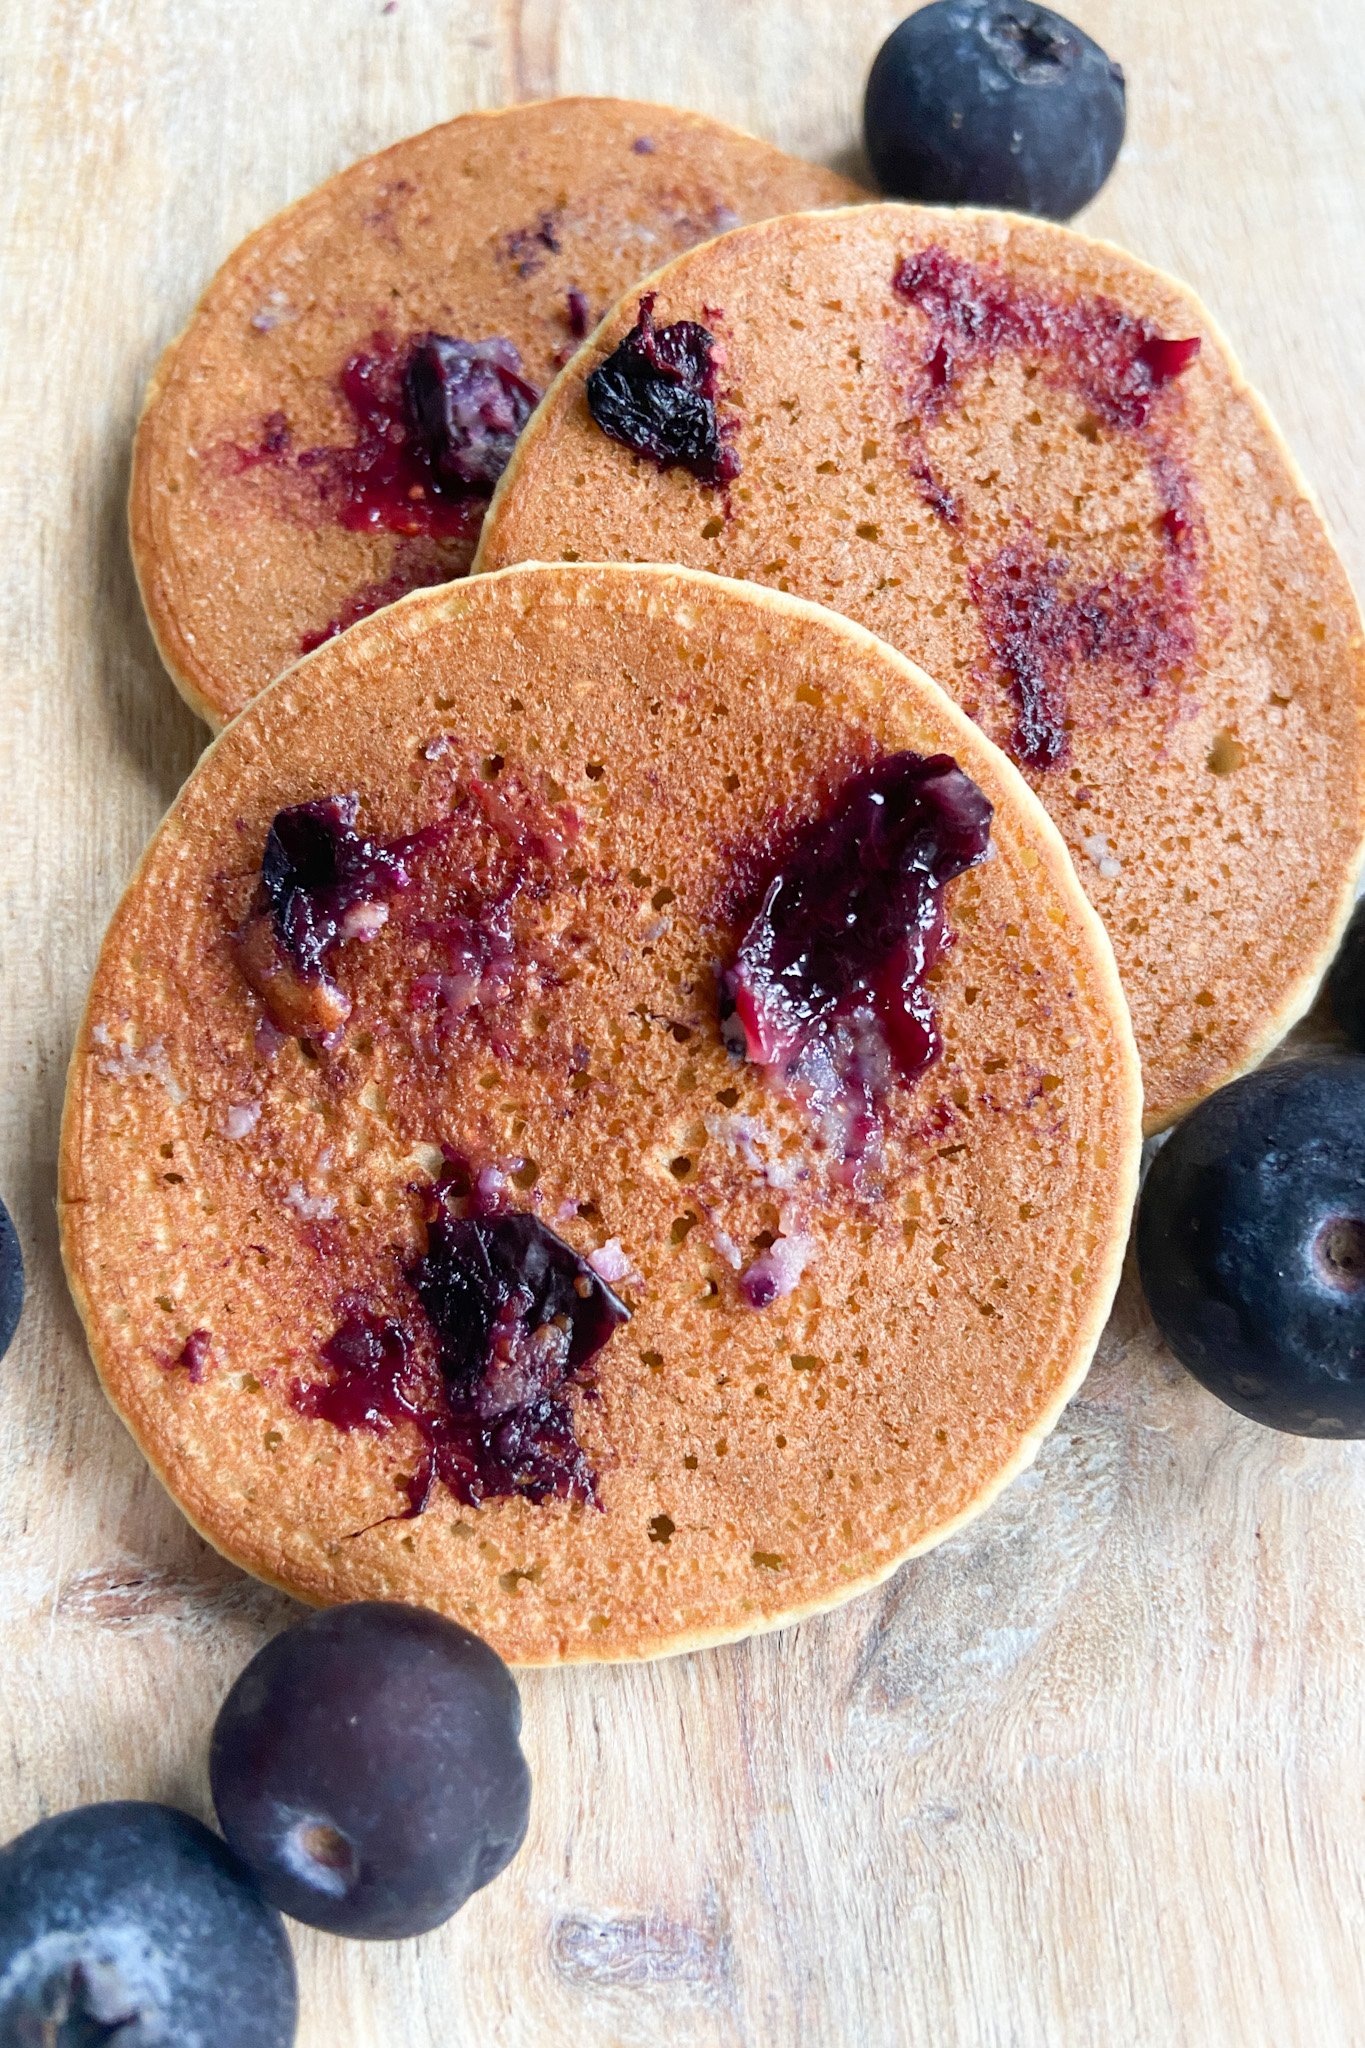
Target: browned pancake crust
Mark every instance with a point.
(753, 1465)
(1216, 822)
(443, 231)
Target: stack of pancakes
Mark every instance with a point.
(982, 502)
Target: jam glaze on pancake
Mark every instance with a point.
(584, 797)
(1031, 463)
(282, 486)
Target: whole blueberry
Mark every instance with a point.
(366, 1766)
(1346, 982)
(129, 1924)
(993, 103)
(11, 1280)
(1251, 1245)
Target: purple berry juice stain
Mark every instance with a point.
(1042, 624)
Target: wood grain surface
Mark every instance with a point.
(1091, 1773)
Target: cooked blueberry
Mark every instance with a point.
(993, 103)
(515, 1318)
(510, 1302)
(11, 1279)
(656, 392)
(322, 882)
(1251, 1245)
(829, 983)
(131, 1925)
(467, 402)
(434, 419)
(1346, 983)
(317, 871)
(366, 1767)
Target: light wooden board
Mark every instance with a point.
(1091, 1773)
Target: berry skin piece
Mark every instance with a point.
(366, 1767)
(130, 1924)
(993, 103)
(1346, 982)
(656, 393)
(1251, 1245)
(11, 1279)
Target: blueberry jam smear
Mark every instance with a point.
(1043, 625)
(1117, 362)
(1044, 622)
(435, 420)
(829, 982)
(656, 393)
(517, 1319)
(417, 564)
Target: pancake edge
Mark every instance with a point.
(1299, 997)
(1108, 1260)
(140, 489)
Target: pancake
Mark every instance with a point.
(844, 1335)
(990, 441)
(268, 506)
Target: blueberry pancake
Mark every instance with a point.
(604, 1111)
(327, 431)
(1030, 463)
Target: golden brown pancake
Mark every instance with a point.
(981, 437)
(264, 515)
(590, 774)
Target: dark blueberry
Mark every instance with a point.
(1346, 983)
(1251, 1245)
(434, 422)
(517, 1318)
(993, 103)
(467, 401)
(829, 981)
(322, 882)
(11, 1279)
(656, 392)
(321, 878)
(484, 1277)
(129, 1925)
(366, 1767)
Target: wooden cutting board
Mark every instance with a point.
(1091, 1773)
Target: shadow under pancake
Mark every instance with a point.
(146, 720)
(853, 163)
